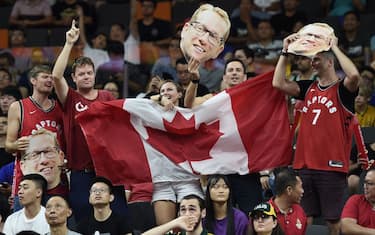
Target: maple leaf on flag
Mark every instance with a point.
(180, 125)
(185, 143)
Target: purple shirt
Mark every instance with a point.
(240, 224)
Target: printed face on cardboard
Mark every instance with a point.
(312, 39)
(202, 38)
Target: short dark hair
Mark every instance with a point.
(248, 52)
(234, 60)
(12, 91)
(36, 70)
(27, 232)
(355, 13)
(101, 179)
(39, 181)
(284, 178)
(201, 202)
(5, 70)
(80, 61)
(115, 47)
(153, 2)
(121, 25)
(62, 197)
(181, 60)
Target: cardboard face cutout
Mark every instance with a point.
(202, 38)
(313, 38)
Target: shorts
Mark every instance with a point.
(324, 193)
(175, 191)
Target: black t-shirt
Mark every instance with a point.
(115, 225)
(283, 25)
(347, 98)
(158, 30)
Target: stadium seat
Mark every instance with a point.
(4, 16)
(37, 37)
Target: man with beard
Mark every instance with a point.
(30, 114)
(191, 212)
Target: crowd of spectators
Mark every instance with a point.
(141, 57)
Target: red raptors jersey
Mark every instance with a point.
(33, 117)
(77, 151)
(325, 136)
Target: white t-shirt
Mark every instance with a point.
(131, 47)
(18, 222)
(97, 56)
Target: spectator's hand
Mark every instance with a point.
(73, 34)
(288, 40)
(154, 85)
(265, 182)
(333, 42)
(22, 143)
(166, 103)
(187, 222)
(193, 66)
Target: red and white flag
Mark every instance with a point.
(243, 129)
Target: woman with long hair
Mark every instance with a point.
(221, 217)
(173, 182)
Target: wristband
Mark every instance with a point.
(284, 53)
(195, 81)
(264, 176)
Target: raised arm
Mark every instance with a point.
(352, 75)
(190, 99)
(12, 144)
(133, 27)
(349, 226)
(61, 86)
(279, 78)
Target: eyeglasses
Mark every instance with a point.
(201, 30)
(367, 183)
(48, 153)
(261, 215)
(98, 190)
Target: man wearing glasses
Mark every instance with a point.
(43, 156)
(358, 215)
(203, 37)
(103, 220)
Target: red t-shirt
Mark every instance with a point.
(357, 207)
(326, 130)
(294, 222)
(33, 118)
(77, 152)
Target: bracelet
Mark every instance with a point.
(264, 176)
(284, 53)
(195, 81)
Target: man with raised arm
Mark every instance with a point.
(74, 102)
(325, 135)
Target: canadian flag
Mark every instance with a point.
(240, 130)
